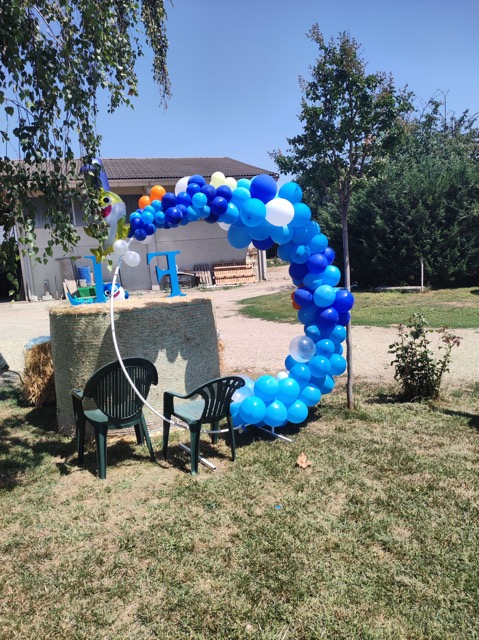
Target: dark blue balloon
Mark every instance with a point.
(307, 315)
(149, 229)
(344, 318)
(225, 192)
(211, 219)
(328, 317)
(192, 188)
(136, 223)
(183, 198)
(199, 180)
(168, 200)
(263, 187)
(219, 205)
(297, 271)
(344, 300)
(317, 263)
(173, 216)
(263, 245)
(303, 297)
(209, 191)
(329, 255)
(140, 234)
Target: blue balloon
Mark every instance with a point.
(266, 388)
(263, 187)
(210, 192)
(310, 395)
(253, 212)
(331, 275)
(148, 216)
(239, 196)
(263, 245)
(290, 362)
(238, 237)
(244, 183)
(168, 200)
(219, 205)
(313, 332)
(231, 214)
(302, 215)
(282, 235)
(318, 243)
(149, 229)
(338, 364)
(192, 188)
(307, 315)
(344, 300)
(301, 373)
(183, 198)
(325, 347)
(330, 255)
(344, 318)
(291, 191)
(136, 223)
(303, 234)
(173, 216)
(297, 271)
(317, 263)
(303, 297)
(197, 179)
(211, 219)
(276, 414)
(312, 280)
(338, 333)
(284, 251)
(140, 234)
(192, 214)
(327, 385)
(288, 391)
(262, 231)
(156, 204)
(319, 366)
(324, 296)
(159, 219)
(252, 410)
(225, 192)
(199, 200)
(297, 412)
(300, 254)
(328, 317)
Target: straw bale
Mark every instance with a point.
(38, 379)
(178, 335)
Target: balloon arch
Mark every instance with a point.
(254, 211)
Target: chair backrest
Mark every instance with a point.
(217, 395)
(112, 392)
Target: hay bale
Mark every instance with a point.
(178, 335)
(38, 378)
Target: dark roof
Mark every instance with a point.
(175, 168)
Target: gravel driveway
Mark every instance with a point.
(251, 346)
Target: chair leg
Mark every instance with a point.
(214, 436)
(233, 441)
(195, 432)
(166, 434)
(144, 432)
(139, 434)
(100, 438)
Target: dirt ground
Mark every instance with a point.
(251, 346)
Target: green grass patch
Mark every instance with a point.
(378, 538)
(454, 308)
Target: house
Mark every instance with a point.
(199, 243)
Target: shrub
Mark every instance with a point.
(417, 368)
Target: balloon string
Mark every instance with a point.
(117, 350)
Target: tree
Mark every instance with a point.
(425, 204)
(351, 120)
(56, 57)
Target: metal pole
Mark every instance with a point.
(422, 274)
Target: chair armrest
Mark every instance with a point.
(173, 394)
(77, 393)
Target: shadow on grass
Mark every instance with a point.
(472, 418)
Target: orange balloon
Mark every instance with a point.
(143, 202)
(296, 306)
(157, 192)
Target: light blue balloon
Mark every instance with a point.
(300, 254)
(284, 251)
(312, 281)
(310, 395)
(252, 410)
(318, 243)
(199, 200)
(302, 215)
(313, 332)
(291, 191)
(319, 366)
(239, 196)
(192, 214)
(338, 364)
(244, 183)
(325, 347)
(301, 373)
(297, 412)
(307, 315)
(331, 275)
(324, 296)
(231, 215)
(327, 385)
(253, 212)
(281, 235)
(238, 237)
(276, 414)
(338, 333)
(303, 234)
(262, 231)
(266, 388)
(288, 391)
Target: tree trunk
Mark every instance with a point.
(347, 285)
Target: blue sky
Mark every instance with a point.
(234, 69)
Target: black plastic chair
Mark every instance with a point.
(118, 406)
(211, 407)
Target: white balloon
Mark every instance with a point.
(279, 212)
(224, 225)
(302, 348)
(132, 258)
(231, 183)
(281, 375)
(120, 247)
(217, 179)
(181, 185)
(148, 239)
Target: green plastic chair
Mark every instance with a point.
(118, 406)
(211, 407)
